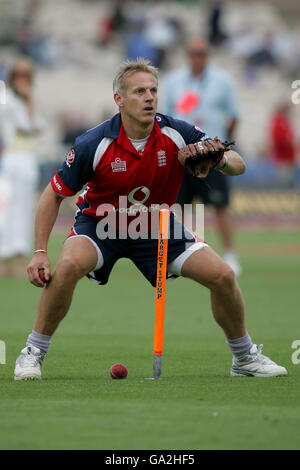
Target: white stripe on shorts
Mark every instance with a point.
(176, 265)
(100, 261)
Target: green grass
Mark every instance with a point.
(196, 404)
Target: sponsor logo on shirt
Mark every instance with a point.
(70, 157)
(118, 165)
(161, 158)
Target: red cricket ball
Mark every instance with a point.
(42, 275)
(118, 371)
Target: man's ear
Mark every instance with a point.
(118, 99)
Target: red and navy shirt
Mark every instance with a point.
(107, 165)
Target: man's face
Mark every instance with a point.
(197, 53)
(22, 78)
(139, 99)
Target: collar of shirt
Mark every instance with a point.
(124, 141)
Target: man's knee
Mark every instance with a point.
(224, 277)
(208, 268)
(71, 268)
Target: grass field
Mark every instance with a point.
(196, 404)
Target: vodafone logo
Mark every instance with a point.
(135, 193)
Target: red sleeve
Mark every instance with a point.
(60, 188)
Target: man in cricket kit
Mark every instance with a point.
(136, 155)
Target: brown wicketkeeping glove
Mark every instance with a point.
(201, 157)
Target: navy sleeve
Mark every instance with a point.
(76, 171)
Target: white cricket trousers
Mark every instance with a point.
(20, 172)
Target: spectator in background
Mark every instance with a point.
(162, 33)
(283, 143)
(274, 47)
(152, 37)
(33, 42)
(3, 72)
(19, 126)
(205, 96)
(216, 34)
(138, 45)
(264, 54)
(111, 24)
(2, 68)
(72, 124)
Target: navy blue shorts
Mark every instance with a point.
(142, 252)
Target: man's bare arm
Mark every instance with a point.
(46, 215)
(231, 164)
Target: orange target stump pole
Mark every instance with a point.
(162, 253)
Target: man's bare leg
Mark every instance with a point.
(79, 257)
(207, 267)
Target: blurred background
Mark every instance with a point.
(76, 46)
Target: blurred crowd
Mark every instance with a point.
(58, 58)
(158, 30)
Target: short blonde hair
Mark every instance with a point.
(130, 66)
(20, 62)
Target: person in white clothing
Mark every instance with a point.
(19, 127)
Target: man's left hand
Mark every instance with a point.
(201, 157)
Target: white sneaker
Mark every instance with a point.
(256, 364)
(231, 258)
(28, 364)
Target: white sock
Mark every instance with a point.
(240, 346)
(42, 342)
